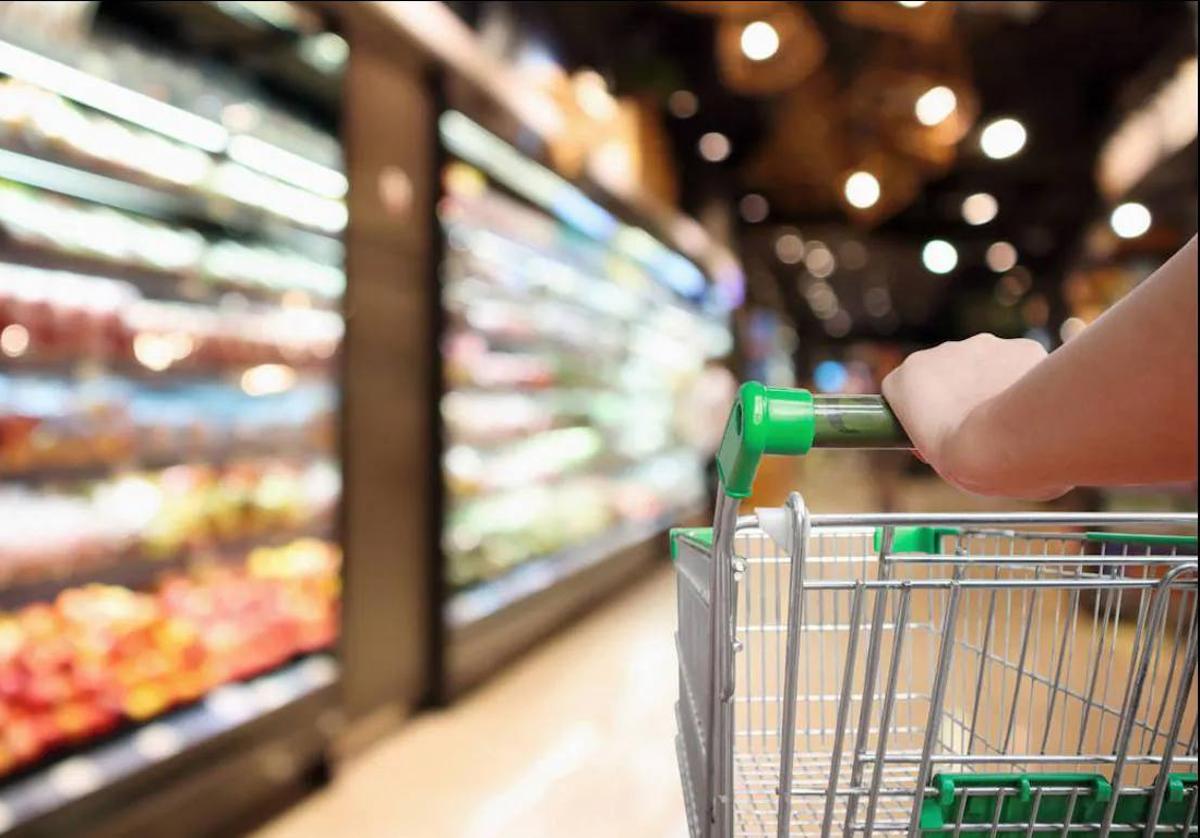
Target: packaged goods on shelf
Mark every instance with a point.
(270, 269)
(550, 454)
(99, 656)
(51, 424)
(47, 423)
(37, 119)
(72, 227)
(488, 535)
(58, 225)
(68, 315)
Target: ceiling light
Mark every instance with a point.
(683, 104)
(939, 256)
(1001, 257)
(819, 260)
(714, 147)
(862, 190)
(789, 247)
(759, 41)
(910, 4)
(839, 325)
(1002, 138)
(1130, 220)
(753, 207)
(935, 105)
(979, 208)
(822, 299)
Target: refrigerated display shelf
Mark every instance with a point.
(154, 202)
(135, 568)
(275, 449)
(185, 287)
(82, 368)
(167, 124)
(164, 742)
(534, 335)
(532, 577)
(87, 368)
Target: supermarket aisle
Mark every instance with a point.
(576, 739)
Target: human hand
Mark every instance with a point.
(942, 398)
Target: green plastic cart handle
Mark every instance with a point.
(776, 420)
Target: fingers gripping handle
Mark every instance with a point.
(771, 420)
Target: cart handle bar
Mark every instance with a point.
(778, 420)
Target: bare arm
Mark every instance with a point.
(1115, 406)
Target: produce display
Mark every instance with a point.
(493, 534)
(159, 514)
(564, 359)
(100, 656)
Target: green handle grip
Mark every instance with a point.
(772, 420)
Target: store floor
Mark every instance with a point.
(576, 739)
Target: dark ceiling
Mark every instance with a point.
(1067, 70)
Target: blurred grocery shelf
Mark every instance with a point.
(171, 277)
(571, 336)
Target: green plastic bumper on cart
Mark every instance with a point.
(1050, 799)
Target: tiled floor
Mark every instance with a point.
(575, 740)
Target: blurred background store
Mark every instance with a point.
(350, 352)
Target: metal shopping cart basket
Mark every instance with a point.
(970, 675)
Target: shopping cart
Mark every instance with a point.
(946, 674)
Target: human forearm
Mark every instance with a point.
(1116, 405)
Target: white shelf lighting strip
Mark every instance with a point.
(169, 121)
(113, 99)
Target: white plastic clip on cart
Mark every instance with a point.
(971, 675)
